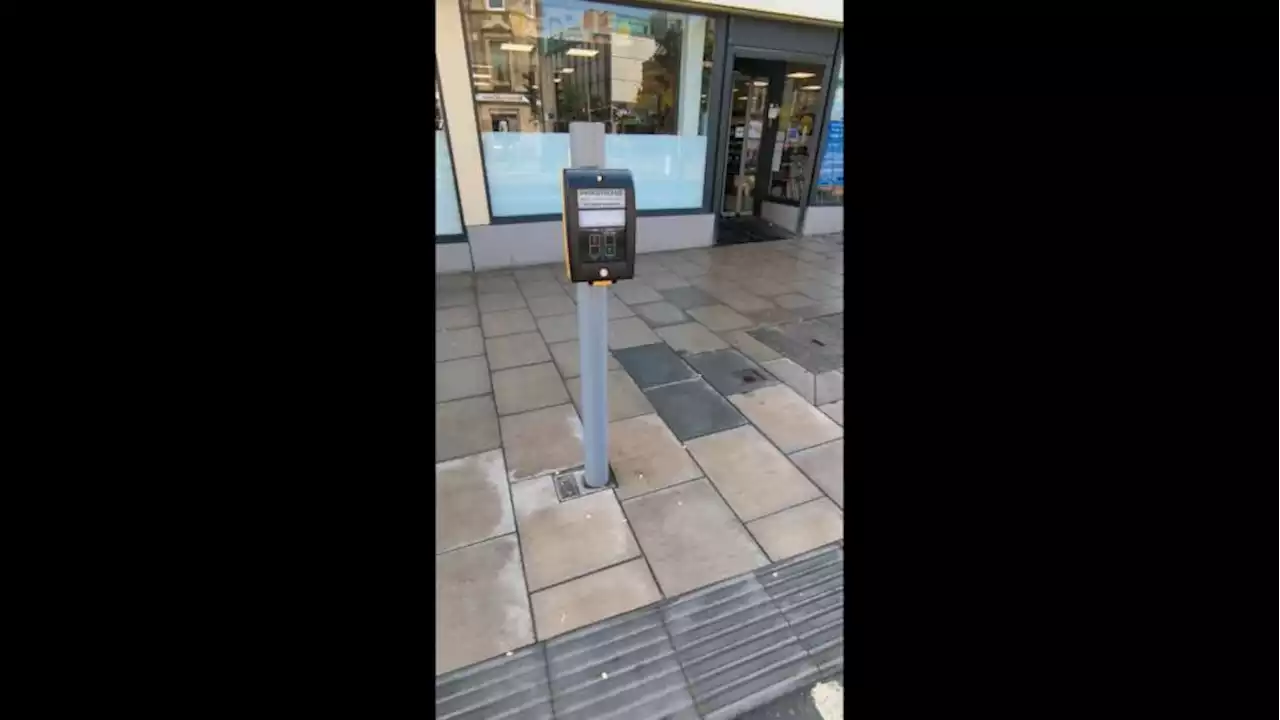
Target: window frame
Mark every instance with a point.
(457, 191)
(836, 68)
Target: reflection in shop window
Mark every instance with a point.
(538, 66)
(830, 182)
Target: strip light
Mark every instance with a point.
(516, 47)
(582, 52)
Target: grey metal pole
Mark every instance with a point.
(586, 150)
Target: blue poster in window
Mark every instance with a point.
(831, 172)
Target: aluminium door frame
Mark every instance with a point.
(722, 132)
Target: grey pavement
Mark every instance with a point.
(726, 439)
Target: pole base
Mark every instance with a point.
(572, 483)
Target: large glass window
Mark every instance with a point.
(448, 217)
(830, 182)
(538, 65)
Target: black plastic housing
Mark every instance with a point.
(610, 247)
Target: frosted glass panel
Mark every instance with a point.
(524, 170)
(448, 218)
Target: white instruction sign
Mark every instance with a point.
(602, 199)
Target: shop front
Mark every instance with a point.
(720, 116)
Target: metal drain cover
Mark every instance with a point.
(572, 483)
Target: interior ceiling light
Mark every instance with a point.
(565, 70)
(481, 76)
(800, 75)
(516, 47)
(811, 87)
(761, 83)
(582, 52)
(557, 79)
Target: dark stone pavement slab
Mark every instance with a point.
(693, 409)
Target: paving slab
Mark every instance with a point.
(465, 377)
(558, 328)
(690, 338)
(493, 302)
(536, 273)
(508, 351)
(646, 456)
(824, 465)
(813, 345)
(541, 288)
(665, 281)
(472, 501)
(567, 356)
(652, 365)
(562, 541)
(455, 281)
(454, 344)
(542, 441)
(603, 594)
(482, 609)
(828, 387)
(634, 293)
(822, 309)
(719, 318)
(821, 291)
(765, 287)
(693, 409)
(752, 475)
(794, 300)
(691, 537)
(730, 372)
(630, 332)
(466, 427)
(786, 418)
(688, 297)
(750, 346)
(496, 282)
(799, 529)
(772, 316)
(528, 387)
(618, 309)
(657, 314)
(743, 301)
(625, 398)
(457, 317)
(835, 411)
(546, 306)
(507, 322)
(795, 377)
(454, 298)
